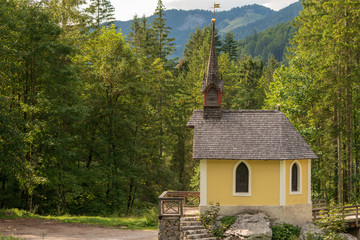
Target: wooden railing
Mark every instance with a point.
(173, 203)
(318, 203)
(349, 213)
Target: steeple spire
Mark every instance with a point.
(212, 74)
(212, 86)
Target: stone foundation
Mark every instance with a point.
(293, 214)
(169, 228)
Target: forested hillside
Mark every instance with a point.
(93, 122)
(284, 15)
(274, 41)
(242, 22)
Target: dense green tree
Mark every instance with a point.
(244, 89)
(101, 11)
(230, 46)
(39, 82)
(164, 45)
(318, 89)
(273, 41)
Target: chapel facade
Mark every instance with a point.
(250, 160)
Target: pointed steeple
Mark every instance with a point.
(212, 86)
(212, 74)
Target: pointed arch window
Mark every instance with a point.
(295, 178)
(242, 179)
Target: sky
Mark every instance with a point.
(125, 10)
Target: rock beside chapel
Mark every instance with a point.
(250, 226)
(311, 230)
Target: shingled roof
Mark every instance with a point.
(247, 135)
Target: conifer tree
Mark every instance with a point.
(164, 44)
(230, 46)
(101, 11)
(318, 89)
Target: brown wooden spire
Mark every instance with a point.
(212, 86)
(212, 74)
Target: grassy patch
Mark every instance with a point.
(15, 213)
(127, 223)
(141, 223)
(9, 238)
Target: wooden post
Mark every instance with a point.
(357, 214)
(181, 208)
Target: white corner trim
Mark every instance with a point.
(282, 183)
(299, 178)
(237, 194)
(309, 181)
(203, 182)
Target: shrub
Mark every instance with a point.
(210, 217)
(151, 218)
(226, 222)
(332, 222)
(285, 231)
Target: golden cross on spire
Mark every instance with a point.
(216, 5)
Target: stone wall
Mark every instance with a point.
(169, 228)
(292, 214)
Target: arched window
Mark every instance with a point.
(242, 177)
(295, 178)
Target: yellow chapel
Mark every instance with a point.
(250, 160)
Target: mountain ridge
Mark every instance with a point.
(242, 21)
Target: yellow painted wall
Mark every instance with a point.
(265, 183)
(297, 198)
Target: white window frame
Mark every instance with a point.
(241, 194)
(299, 178)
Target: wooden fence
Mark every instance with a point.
(173, 203)
(349, 213)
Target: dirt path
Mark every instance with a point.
(40, 229)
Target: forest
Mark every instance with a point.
(93, 122)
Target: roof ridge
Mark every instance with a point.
(244, 110)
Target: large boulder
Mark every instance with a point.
(347, 236)
(250, 226)
(310, 230)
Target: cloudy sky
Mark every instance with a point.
(126, 9)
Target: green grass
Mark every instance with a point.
(149, 222)
(241, 21)
(9, 238)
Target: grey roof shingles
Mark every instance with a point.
(247, 135)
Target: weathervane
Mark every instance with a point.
(216, 5)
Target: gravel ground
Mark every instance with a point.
(40, 229)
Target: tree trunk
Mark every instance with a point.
(59, 200)
(3, 188)
(339, 158)
(349, 148)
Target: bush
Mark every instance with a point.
(226, 222)
(332, 222)
(285, 232)
(151, 218)
(209, 221)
